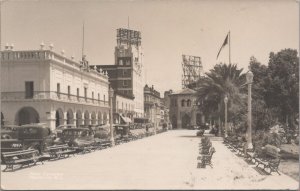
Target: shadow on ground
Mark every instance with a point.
(189, 136)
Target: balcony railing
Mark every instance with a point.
(38, 55)
(46, 95)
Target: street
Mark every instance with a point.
(164, 161)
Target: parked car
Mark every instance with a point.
(60, 128)
(36, 136)
(78, 137)
(102, 132)
(9, 132)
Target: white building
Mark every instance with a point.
(43, 86)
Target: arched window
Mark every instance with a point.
(182, 103)
(189, 103)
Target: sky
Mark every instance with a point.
(168, 28)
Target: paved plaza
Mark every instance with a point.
(163, 161)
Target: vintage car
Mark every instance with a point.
(102, 132)
(36, 136)
(78, 137)
(9, 132)
(60, 128)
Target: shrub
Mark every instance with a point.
(262, 138)
(297, 140)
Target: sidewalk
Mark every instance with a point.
(163, 161)
(232, 172)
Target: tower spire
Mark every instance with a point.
(128, 22)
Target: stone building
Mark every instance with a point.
(152, 103)
(126, 75)
(44, 86)
(183, 111)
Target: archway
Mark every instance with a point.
(105, 118)
(2, 119)
(86, 118)
(78, 118)
(27, 115)
(99, 118)
(174, 122)
(70, 117)
(93, 118)
(59, 117)
(185, 121)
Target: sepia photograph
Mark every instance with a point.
(149, 94)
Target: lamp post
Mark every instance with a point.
(111, 95)
(249, 77)
(226, 101)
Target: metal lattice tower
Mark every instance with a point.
(192, 69)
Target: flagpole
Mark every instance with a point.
(229, 48)
(82, 50)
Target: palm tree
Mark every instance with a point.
(222, 80)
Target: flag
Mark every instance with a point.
(224, 44)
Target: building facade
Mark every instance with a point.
(152, 104)
(126, 76)
(183, 111)
(43, 86)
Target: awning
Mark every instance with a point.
(125, 120)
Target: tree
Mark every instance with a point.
(262, 116)
(282, 84)
(223, 80)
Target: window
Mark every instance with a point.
(98, 97)
(121, 62)
(124, 73)
(69, 91)
(104, 98)
(93, 96)
(125, 83)
(85, 93)
(78, 93)
(58, 88)
(128, 62)
(182, 103)
(189, 103)
(29, 88)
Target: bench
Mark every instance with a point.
(204, 149)
(206, 158)
(241, 148)
(253, 154)
(102, 144)
(271, 159)
(23, 157)
(60, 151)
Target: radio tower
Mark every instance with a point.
(192, 70)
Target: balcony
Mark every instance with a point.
(48, 95)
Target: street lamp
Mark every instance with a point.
(226, 101)
(249, 77)
(111, 95)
